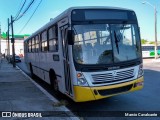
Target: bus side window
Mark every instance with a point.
(53, 39)
(33, 44)
(37, 44)
(44, 41)
(30, 46)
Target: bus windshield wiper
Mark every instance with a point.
(116, 41)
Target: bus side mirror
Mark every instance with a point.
(70, 37)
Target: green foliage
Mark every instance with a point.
(152, 42)
(143, 41)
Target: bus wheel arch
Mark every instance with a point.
(53, 80)
(31, 70)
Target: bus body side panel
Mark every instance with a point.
(37, 63)
(54, 65)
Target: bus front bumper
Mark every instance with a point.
(83, 94)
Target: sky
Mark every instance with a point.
(51, 8)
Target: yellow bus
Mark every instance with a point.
(88, 53)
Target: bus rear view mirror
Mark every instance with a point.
(70, 37)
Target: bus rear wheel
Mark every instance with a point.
(31, 70)
(53, 81)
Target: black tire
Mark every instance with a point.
(53, 81)
(31, 70)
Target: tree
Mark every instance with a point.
(143, 41)
(152, 42)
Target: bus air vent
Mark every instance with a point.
(112, 78)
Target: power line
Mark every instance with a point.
(19, 8)
(24, 10)
(30, 17)
(18, 16)
(18, 13)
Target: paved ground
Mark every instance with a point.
(18, 93)
(151, 60)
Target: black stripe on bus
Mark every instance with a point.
(58, 76)
(40, 68)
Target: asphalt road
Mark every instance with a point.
(147, 99)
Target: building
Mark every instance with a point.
(19, 47)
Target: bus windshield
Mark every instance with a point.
(106, 43)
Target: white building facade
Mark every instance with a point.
(19, 45)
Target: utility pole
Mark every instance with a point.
(8, 50)
(155, 15)
(12, 41)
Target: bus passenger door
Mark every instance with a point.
(65, 59)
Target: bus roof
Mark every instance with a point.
(97, 7)
(68, 11)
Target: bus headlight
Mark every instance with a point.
(81, 80)
(140, 72)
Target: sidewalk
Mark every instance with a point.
(18, 93)
(151, 60)
(151, 64)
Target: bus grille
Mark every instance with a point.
(113, 77)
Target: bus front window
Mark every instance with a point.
(126, 42)
(92, 44)
(105, 43)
